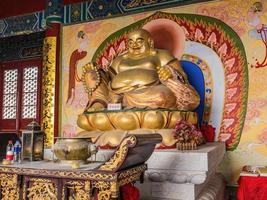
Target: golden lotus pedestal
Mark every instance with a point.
(108, 128)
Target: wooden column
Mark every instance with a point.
(50, 78)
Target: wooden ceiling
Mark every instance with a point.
(19, 7)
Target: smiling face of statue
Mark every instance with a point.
(139, 42)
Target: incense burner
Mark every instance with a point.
(72, 149)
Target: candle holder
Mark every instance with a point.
(33, 142)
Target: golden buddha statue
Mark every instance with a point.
(143, 78)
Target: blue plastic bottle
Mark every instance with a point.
(17, 152)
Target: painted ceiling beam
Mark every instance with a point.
(81, 12)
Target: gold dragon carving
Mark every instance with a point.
(82, 190)
(42, 189)
(104, 189)
(57, 173)
(130, 179)
(119, 155)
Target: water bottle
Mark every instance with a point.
(17, 152)
(9, 151)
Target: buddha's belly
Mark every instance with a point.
(134, 78)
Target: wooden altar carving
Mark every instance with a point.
(50, 181)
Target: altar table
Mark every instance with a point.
(46, 180)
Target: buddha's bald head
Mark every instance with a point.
(139, 41)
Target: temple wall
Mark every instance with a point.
(250, 147)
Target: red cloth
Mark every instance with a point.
(252, 188)
(208, 133)
(130, 192)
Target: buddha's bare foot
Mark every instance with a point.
(95, 107)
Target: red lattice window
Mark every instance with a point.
(10, 94)
(21, 91)
(29, 92)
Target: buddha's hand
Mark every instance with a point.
(164, 73)
(186, 95)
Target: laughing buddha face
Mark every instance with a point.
(139, 42)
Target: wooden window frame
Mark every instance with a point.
(17, 125)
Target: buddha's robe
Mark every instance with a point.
(136, 78)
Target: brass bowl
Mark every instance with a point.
(72, 149)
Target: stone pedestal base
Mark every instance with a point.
(212, 190)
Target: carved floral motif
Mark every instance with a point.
(9, 189)
(43, 189)
(81, 190)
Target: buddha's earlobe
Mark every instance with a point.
(151, 43)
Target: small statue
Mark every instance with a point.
(143, 77)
